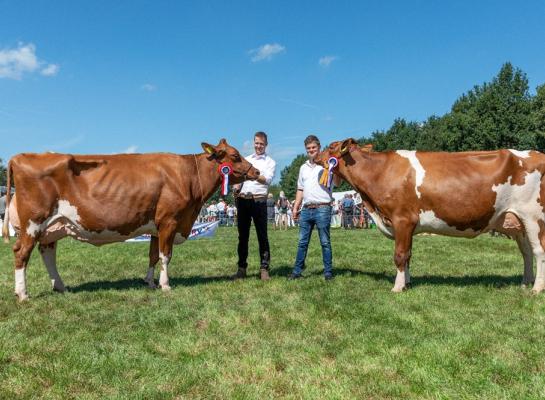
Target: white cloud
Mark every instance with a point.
(148, 87)
(130, 149)
(266, 52)
(326, 61)
(16, 62)
(50, 70)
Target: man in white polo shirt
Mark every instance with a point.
(251, 201)
(316, 211)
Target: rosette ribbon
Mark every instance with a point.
(225, 169)
(327, 176)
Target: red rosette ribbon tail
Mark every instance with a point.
(225, 170)
(332, 162)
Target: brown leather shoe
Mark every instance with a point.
(241, 274)
(265, 275)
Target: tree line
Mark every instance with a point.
(497, 114)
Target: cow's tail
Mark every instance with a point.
(5, 225)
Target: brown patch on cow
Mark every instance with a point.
(457, 187)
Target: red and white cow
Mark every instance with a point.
(455, 194)
(102, 199)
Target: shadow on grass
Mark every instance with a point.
(283, 272)
(476, 280)
(124, 284)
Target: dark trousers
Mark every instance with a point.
(256, 210)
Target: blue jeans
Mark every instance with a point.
(321, 218)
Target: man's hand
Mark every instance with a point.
(236, 189)
(295, 214)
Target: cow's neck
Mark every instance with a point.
(208, 175)
(362, 170)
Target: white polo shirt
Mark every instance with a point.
(309, 183)
(266, 166)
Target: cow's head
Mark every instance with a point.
(337, 149)
(224, 153)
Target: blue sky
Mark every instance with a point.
(107, 77)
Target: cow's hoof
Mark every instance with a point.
(61, 289)
(21, 296)
(398, 289)
(165, 288)
(539, 286)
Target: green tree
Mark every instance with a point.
(289, 175)
(538, 117)
(401, 135)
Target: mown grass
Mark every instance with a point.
(465, 330)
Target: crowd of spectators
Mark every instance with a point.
(348, 212)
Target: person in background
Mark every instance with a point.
(348, 211)
(2, 205)
(222, 207)
(276, 216)
(315, 212)
(270, 208)
(251, 201)
(283, 205)
(290, 215)
(231, 211)
(212, 211)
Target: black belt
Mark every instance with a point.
(317, 205)
(250, 196)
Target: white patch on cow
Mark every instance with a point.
(382, 227)
(66, 221)
(49, 257)
(163, 277)
(420, 172)
(20, 283)
(400, 282)
(68, 211)
(428, 222)
(521, 154)
(520, 163)
(33, 228)
(523, 201)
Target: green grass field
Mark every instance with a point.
(465, 330)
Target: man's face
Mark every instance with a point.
(313, 149)
(260, 145)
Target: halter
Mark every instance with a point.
(198, 175)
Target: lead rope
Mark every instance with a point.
(198, 176)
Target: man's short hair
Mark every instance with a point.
(312, 139)
(261, 135)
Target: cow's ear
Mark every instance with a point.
(223, 141)
(346, 145)
(208, 148)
